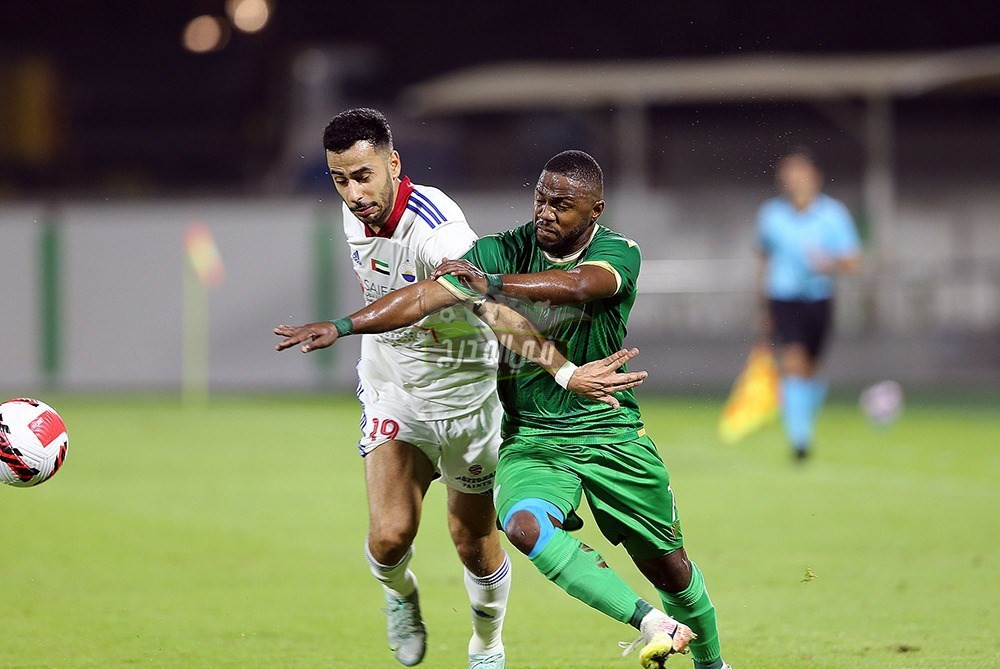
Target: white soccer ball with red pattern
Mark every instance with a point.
(33, 442)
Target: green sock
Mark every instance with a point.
(582, 572)
(694, 608)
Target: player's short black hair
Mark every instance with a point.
(357, 125)
(800, 151)
(578, 166)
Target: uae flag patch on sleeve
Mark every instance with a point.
(380, 267)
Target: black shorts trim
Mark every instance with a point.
(802, 322)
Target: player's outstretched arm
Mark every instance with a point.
(555, 286)
(598, 380)
(398, 309)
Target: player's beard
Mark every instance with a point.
(563, 244)
(383, 203)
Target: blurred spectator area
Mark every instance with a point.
(99, 181)
(32, 120)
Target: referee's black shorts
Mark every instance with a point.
(801, 322)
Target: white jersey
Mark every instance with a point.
(446, 363)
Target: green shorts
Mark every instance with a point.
(627, 488)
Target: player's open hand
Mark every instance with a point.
(600, 380)
(317, 335)
(470, 275)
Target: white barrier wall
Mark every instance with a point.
(19, 310)
(122, 268)
(936, 309)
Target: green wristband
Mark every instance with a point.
(494, 284)
(344, 326)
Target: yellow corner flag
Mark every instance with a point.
(204, 255)
(755, 400)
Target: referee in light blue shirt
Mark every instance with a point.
(805, 238)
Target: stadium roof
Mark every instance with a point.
(536, 85)
(632, 86)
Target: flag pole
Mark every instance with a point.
(195, 342)
(202, 271)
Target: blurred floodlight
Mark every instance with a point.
(250, 16)
(205, 33)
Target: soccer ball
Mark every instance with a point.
(33, 442)
(882, 402)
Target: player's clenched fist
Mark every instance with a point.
(318, 335)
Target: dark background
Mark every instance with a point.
(138, 113)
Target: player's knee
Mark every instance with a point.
(677, 575)
(529, 525)
(522, 530)
(389, 541)
(795, 360)
(670, 573)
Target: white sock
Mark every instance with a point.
(397, 577)
(488, 597)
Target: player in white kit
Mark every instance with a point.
(428, 392)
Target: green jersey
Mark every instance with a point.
(535, 406)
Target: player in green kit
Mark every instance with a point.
(576, 280)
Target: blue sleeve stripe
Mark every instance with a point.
(423, 199)
(417, 204)
(421, 214)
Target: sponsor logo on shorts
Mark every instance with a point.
(475, 481)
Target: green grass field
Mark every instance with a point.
(231, 537)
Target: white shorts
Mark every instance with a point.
(463, 449)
